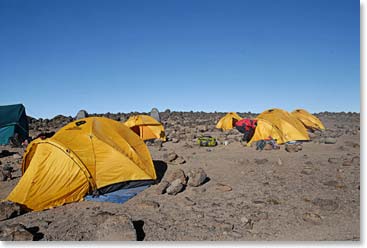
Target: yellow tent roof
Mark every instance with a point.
(146, 127)
(280, 125)
(227, 121)
(83, 156)
(309, 121)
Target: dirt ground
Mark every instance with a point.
(312, 194)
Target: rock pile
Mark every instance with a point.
(176, 181)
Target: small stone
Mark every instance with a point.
(330, 140)
(347, 163)
(223, 188)
(188, 202)
(273, 201)
(148, 205)
(307, 171)
(312, 218)
(279, 162)
(175, 187)
(162, 186)
(333, 160)
(175, 140)
(244, 219)
(171, 157)
(196, 177)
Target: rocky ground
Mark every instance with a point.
(227, 192)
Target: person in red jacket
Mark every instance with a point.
(247, 127)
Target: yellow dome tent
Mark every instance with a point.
(227, 121)
(146, 127)
(89, 154)
(280, 125)
(309, 121)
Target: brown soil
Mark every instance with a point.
(312, 194)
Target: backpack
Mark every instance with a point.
(206, 141)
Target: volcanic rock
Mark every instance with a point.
(196, 177)
(175, 187)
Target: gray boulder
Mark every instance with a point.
(81, 114)
(196, 177)
(155, 114)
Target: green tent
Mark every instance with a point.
(13, 120)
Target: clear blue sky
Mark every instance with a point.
(57, 57)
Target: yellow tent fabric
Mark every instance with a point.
(146, 127)
(280, 125)
(309, 121)
(227, 121)
(83, 156)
